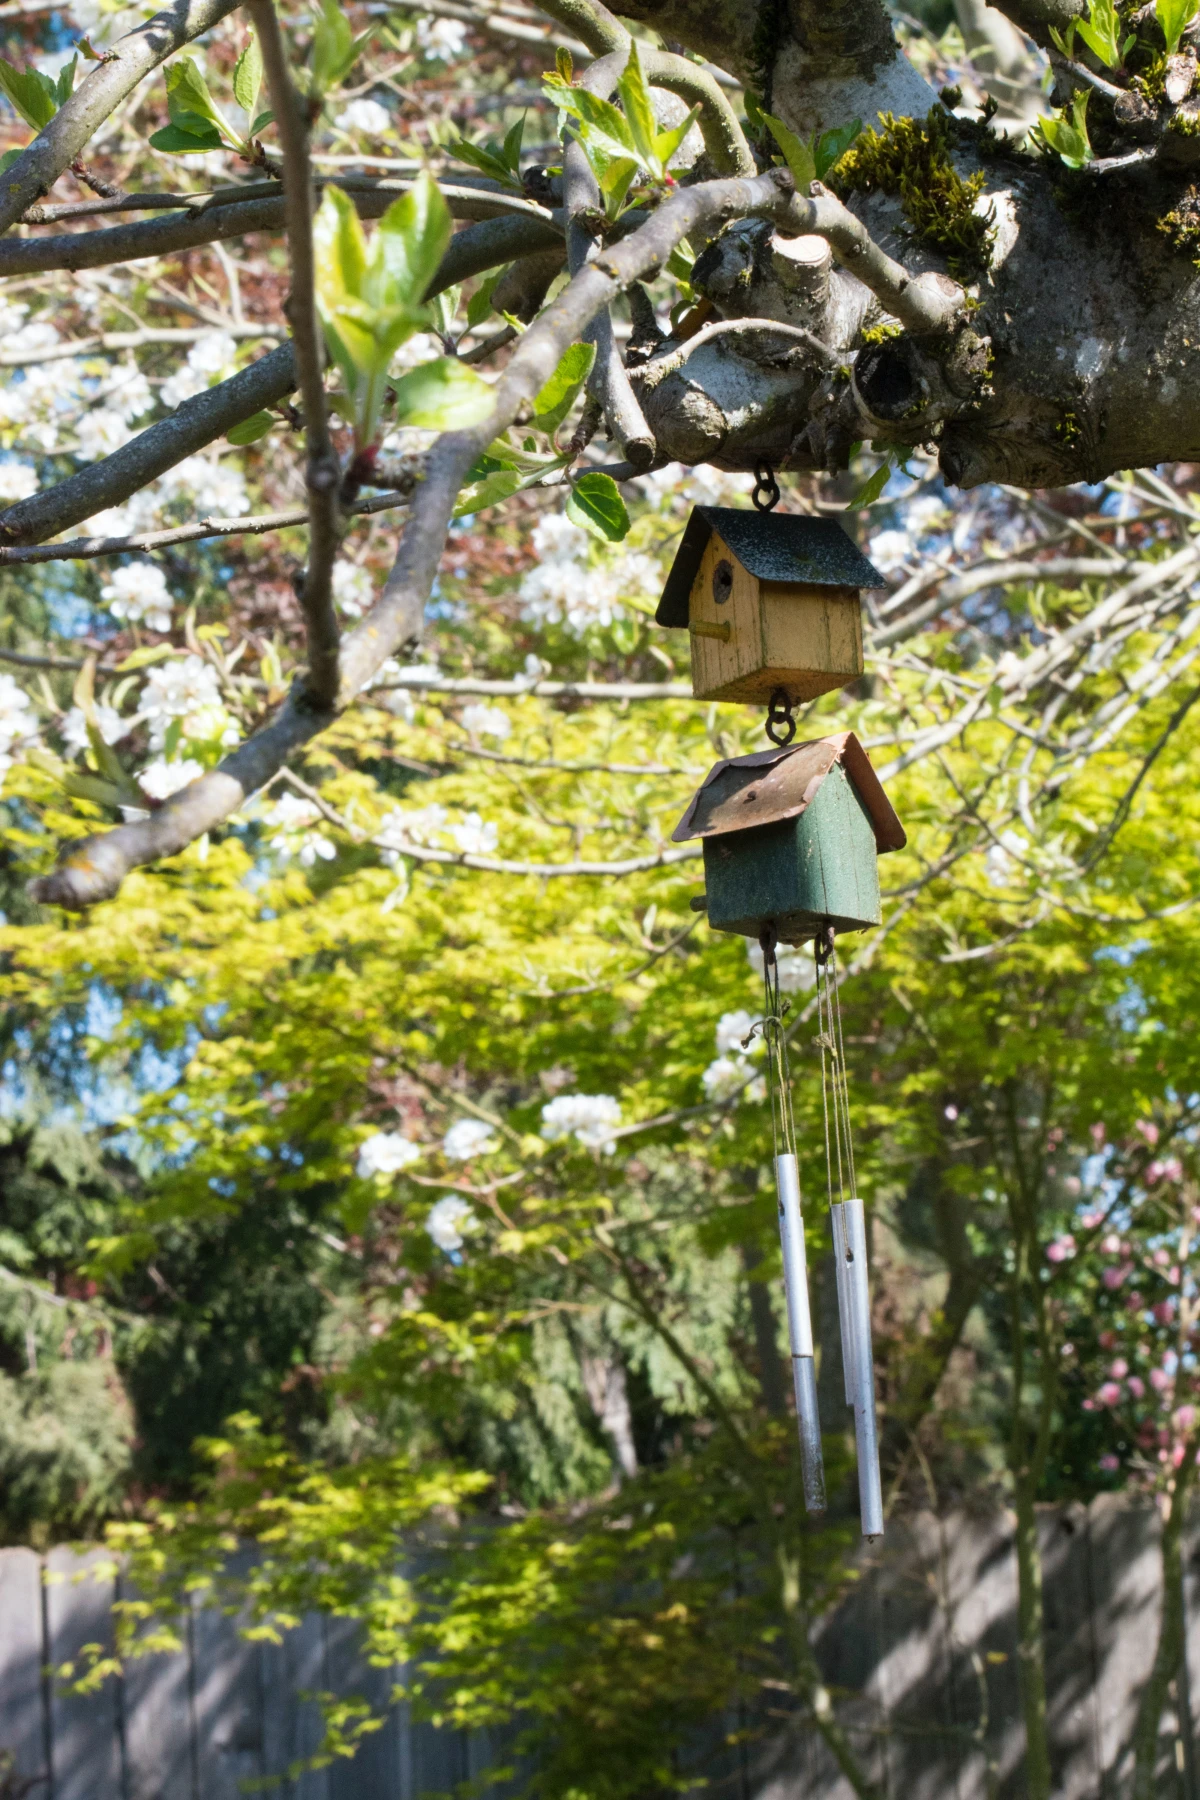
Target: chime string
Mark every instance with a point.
(779, 1081)
(843, 1073)
(835, 1092)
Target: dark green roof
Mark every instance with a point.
(773, 546)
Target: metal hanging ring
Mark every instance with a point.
(766, 488)
(781, 725)
(767, 941)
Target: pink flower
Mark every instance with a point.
(1160, 1381)
(1177, 1455)
(1073, 1185)
(1164, 1311)
(1112, 1278)
(1110, 1463)
(1185, 1418)
(1148, 1130)
(1091, 1219)
(1161, 1258)
(1119, 1369)
(1108, 1394)
(1111, 1245)
(1137, 1386)
(1096, 1132)
(1061, 1248)
(1089, 1406)
(1173, 1277)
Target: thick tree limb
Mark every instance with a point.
(924, 304)
(213, 224)
(58, 144)
(191, 426)
(94, 869)
(323, 473)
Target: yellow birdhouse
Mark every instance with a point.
(771, 601)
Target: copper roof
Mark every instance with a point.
(779, 784)
(773, 546)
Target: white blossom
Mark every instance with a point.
(386, 1154)
(17, 481)
(367, 116)
(794, 962)
(732, 1029)
(591, 1118)
(475, 836)
(564, 587)
(139, 593)
(72, 727)
(18, 723)
(398, 828)
(999, 860)
(218, 492)
(725, 1079)
(448, 1220)
(185, 689)
(127, 391)
(210, 356)
(441, 40)
(467, 1138)
(486, 721)
(290, 818)
(160, 779)
(890, 550)
(353, 588)
(100, 432)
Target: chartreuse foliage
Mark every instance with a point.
(313, 1008)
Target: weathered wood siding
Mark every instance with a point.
(921, 1659)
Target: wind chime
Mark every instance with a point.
(791, 838)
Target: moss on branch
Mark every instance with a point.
(910, 158)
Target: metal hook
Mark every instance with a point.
(766, 488)
(781, 725)
(823, 946)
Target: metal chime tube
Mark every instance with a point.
(843, 1300)
(859, 1365)
(795, 1282)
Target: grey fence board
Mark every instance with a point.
(85, 1729)
(920, 1656)
(22, 1719)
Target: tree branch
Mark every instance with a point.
(214, 222)
(58, 144)
(323, 474)
(925, 304)
(110, 342)
(93, 869)
(650, 374)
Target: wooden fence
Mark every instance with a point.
(921, 1659)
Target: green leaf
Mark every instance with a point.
(667, 143)
(335, 49)
(261, 123)
(798, 157)
(1068, 138)
(559, 394)
(141, 659)
(1174, 16)
(8, 159)
(1101, 32)
(1064, 40)
(443, 395)
(564, 64)
(248, 76)
(871, 489)
(66, 81)
(639, 113)
(187, 143)
(832, 145)
(615, 176)
(681, 262)
(500, 485)
(443, 309)
(483, 157)
(595, 503)
(480, 303)
(250, 430)
(411, 241)
(90, 787)
(32, 95)
(513, 139)
(188, 99)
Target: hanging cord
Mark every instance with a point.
(779, 1077)
(835, 1088)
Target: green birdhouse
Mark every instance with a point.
(772, 601)
(791, 839)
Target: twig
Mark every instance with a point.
(84, 549)
(650, 374)
(323, 474)
(110, 342)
